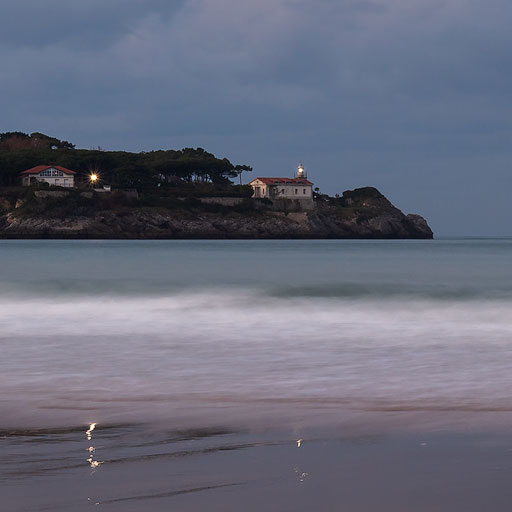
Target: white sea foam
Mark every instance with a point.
(217, 350)
(225, 331)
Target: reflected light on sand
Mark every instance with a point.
(93, 463)
(88, 434)
(301, 475)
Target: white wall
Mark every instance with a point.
(303, 191)
(60, 181)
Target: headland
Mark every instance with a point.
(127, 214)
(49, 189)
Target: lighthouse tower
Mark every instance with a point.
(301, 173)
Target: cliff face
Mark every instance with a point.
(363, 213)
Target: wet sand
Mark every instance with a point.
(132, 468)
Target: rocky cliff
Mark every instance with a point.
(361, 213)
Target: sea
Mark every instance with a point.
(268, 375)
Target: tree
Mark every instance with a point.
(239, 169)
(170, 168)
(10, 141)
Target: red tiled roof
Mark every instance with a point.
(284, 181)
(38, 168)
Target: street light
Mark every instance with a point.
(93, 178)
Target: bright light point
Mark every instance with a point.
(88, 433)
(93, 177)
(299, 443)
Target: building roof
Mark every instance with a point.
(284, 181)
(38, 168)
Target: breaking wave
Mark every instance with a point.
(240, 334)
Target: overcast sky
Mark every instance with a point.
(410, 96)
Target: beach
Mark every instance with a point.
(268, 375)
(218, 470)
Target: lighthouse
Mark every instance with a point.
(300, 172)
(296, 192)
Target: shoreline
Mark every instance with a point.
(128, 468)
(200, 237)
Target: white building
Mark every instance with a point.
(298, 188)
(52, 174)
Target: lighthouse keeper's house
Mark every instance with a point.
(298, 189)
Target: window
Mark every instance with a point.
(282, 191)
(51, 172)
(304, 191)
(296, 191)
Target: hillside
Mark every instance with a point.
(127, 214)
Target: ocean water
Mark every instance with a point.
(263, 375)
(251, 332)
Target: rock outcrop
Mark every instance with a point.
(362, 213)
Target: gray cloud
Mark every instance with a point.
(411, 96)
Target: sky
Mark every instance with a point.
(410, 96)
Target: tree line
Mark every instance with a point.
(163, 168)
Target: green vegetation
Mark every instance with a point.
(46, 202)
(180, 170)
(358, 200)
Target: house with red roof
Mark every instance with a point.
(298, 188)
(52, 174)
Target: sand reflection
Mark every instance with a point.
(93, 463)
